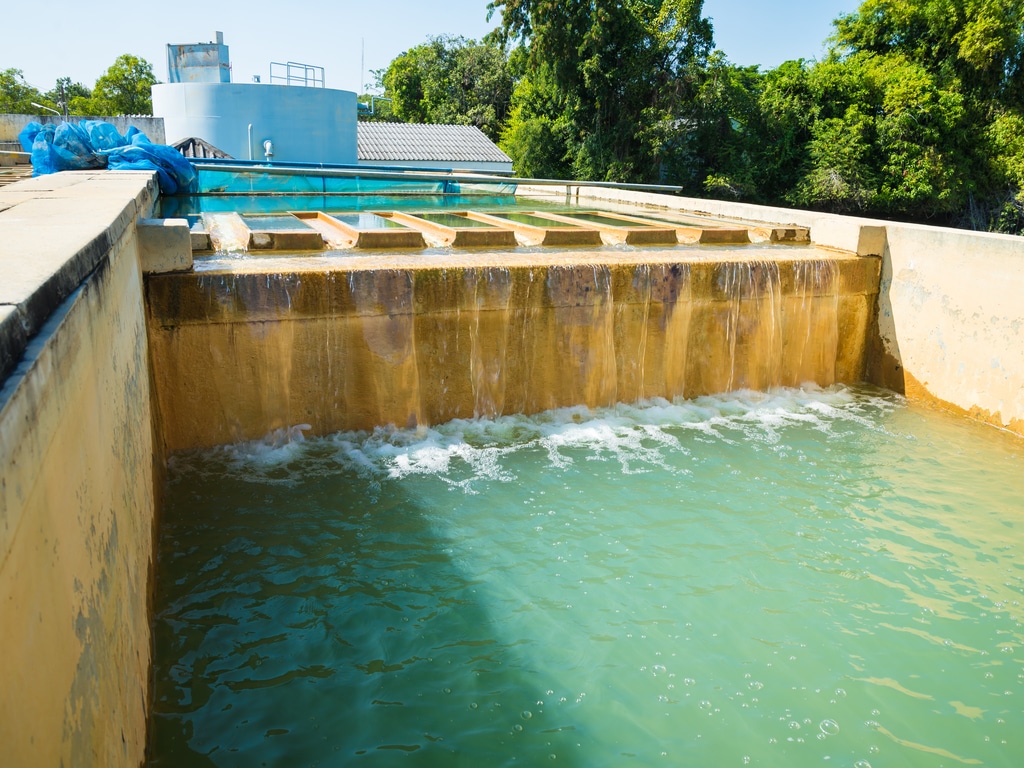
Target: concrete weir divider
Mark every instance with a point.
(113, 350)
(379, 340)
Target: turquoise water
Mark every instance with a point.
(454, 220)
(367, 221)
(274, 223)
(596, 218)
(533, 221)
(788, 579)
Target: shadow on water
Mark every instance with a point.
(317, 616)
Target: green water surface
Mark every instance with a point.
(800, 578)
(268, 223)
(454, 220)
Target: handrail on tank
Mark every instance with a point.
(420, 175)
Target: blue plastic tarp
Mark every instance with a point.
(95, 144)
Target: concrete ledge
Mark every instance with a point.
(54, 231)
(165, 245)
(13, 338)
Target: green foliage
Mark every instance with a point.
(16, 96)
(944, 86)
(885, 139)
(978, 42)
(607, 79)
(451, 80)
(124, 89)
(537, 131)
(65, 92)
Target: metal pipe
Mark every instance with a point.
(49, 109)
(250, 142)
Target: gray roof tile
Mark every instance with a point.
(384, 142)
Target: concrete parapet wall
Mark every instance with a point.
(153, 127)
(951, 321)
(77, 474)
(950, 314)
(372, 341)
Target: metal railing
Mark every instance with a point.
(295, 73)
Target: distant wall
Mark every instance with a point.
(950, 308)
(306, 125)
(153, 127)
(77, 473)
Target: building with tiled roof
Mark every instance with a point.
(461, 147)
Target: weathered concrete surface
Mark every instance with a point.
(951, 321)
(153, 127)
(54, 231)
(950, 314)
(77, 480)
(165, 245)
(361, 341)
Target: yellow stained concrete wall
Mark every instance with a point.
(950, 313)
(77, 483)
(364, 341)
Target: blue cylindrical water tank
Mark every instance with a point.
(306, 125)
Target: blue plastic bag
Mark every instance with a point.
(97, 144)
(173, 170)
(28, 134)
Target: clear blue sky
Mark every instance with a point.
(59, 38)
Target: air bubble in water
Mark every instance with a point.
(829, 727)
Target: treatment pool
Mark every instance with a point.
(822, 577)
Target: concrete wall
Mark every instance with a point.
(306, 125)
(77, 476)
(153, 127)
(951, 313)
(367, 341)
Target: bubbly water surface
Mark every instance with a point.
(787, 579)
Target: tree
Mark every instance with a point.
(16, 96)
(978, 42)
(124, 89)
(64, 92)
(607, 78)
(538, 133)
(947, 85)
(451, 80)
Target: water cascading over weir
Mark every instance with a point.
(240, 354)
(246, 346)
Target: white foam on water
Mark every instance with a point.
(637, 436)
